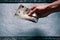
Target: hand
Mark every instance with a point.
(41, 11)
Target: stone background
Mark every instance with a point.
(10, 25)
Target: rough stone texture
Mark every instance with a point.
(11, 25)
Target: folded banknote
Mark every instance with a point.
(22, 12)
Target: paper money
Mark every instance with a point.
(22, 12)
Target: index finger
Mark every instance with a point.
(32, 12)
(33, 8)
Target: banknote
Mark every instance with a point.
(22, 12)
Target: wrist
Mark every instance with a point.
(54, 7)
(50, 9)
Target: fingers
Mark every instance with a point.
(32, 11)
(33, 8)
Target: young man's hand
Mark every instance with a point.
(45, 10)
(41, 11)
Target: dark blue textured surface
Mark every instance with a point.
(29, 1)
